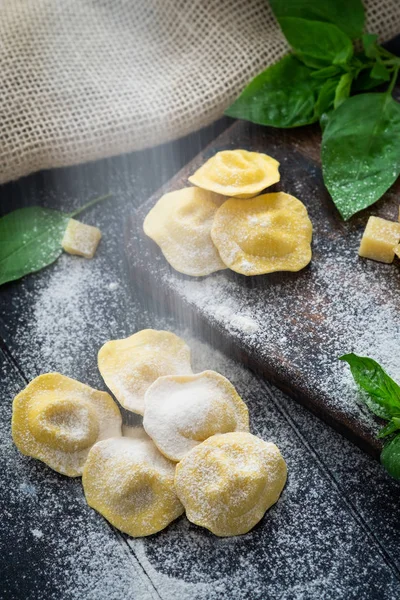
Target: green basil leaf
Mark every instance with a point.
(342, 91)
(370, 376)
(364, 81)
(326, 72)
(318, 41)
(361, 151)
(283, 95)
(369, 44)
(348, 15)
(391, 427)
(30, 239)
(390, 457)
(379, 71)
(326, 97)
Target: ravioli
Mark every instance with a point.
(57, 420)
(129, 366)
(265, 234)
(182, 411)
(237, 173)
(131, 484)
(180, 223)
(228, 482)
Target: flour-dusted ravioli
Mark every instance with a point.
(57, 420)
(131, 484)
(237, 173)
(265, 234)
(182, 411)
(228, 482)
(180, 223)
(129, 366)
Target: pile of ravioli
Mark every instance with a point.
(194, 452)
(222, 222)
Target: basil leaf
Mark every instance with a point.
(391, 427)
(342, 91)
(326, 72)
(369, 44)
(364, 81)
(369, 375)
(30, 239)
(379, 71)
(390, 457)
(326, 97)
(361, 151)
(283, 95)
(316, 40)
(348, 15)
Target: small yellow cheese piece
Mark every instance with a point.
(129, 366)
(180, 223)
(379, 240)
(181, 411)
(131, 484)
(228, 482)
(57, 420)
(81, 239)
(265, 234)
(237, 173)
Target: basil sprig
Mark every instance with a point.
(383, 399)
(361, 135)
(30, 239)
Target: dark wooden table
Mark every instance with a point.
(334, 533)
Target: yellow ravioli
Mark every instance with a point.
(131, 484)
(228, 482)
(380, 239)
(180, 223)
(57, 420)
(182, 411)
(129, 366)
(81, 239)
(237, 173)
(265, 234)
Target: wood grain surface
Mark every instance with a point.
(306, 319)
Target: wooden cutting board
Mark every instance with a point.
(290, 327)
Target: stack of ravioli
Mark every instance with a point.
(194, 452)
(222, 223)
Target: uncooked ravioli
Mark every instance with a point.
(183, 411)
(228, 482)
(180, 223)
(237, 173)
(265, 234)
(129, 366)
(57, 420)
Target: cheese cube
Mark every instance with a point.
(379, 239)
(81, 239)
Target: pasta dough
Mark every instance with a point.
(180, 223)
(237, 173)
(265, 234)
(132, 485)
(183, 411)
(228, 482)
(129, 366)
(57, 419)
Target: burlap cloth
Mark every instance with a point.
(85, 79)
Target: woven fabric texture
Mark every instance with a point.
(85, 79)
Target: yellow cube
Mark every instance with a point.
(81, 239)
(379, 240)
